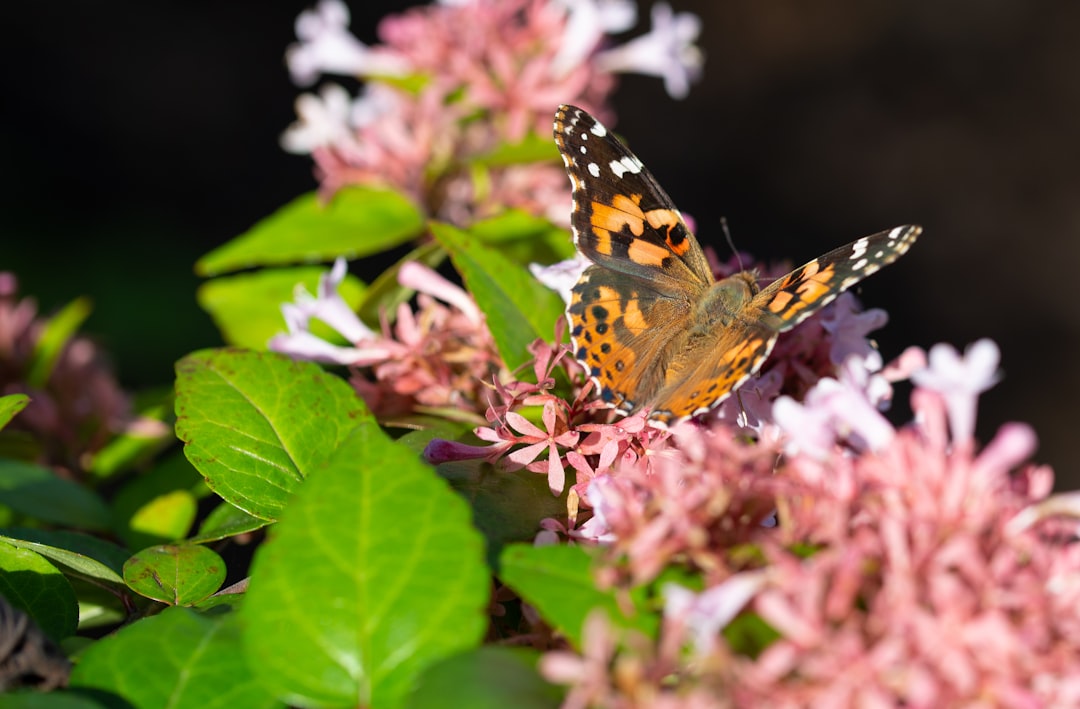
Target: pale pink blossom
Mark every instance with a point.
(960, 380)
(667, 51)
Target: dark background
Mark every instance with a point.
(138, 136)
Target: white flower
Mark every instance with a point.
(323, 121)
(332, 309)
(844, 408)
(705, 614)
(327, 47)
(562, 276)
(587, 21)
(960, 380)
(667, 51)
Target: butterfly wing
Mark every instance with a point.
(738, 351)
(625, 334)
(788, 301)
(622, 219)
(633, 305)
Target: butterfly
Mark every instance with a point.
(649, 323)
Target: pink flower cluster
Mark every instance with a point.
(76, 405)
(436, 356)
(452, 83)
(906, 567)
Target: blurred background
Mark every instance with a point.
(138, 136)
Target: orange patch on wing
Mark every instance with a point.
(633, 318)
(643, 253)
(780, 301)
(666, 221)
(622, 212)
(818, 285)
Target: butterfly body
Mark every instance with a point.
(650, 324)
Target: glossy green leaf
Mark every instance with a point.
(177, 574)
(507, 506)
(33, 585)
(486, 678)
(256, 423)
(59, 329)
(226, 521)
(247, 308)
(179, 659)
(517, 307)
(36, 492)
(11, 405)
(89, 556)
(374, 573)
(558, 582)
(525, 238)
(356, 222)
(167, 517)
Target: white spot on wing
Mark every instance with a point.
(598, 130)
(594, 169)
(860, 264)
(858, 249)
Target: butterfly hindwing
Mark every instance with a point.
(624, 335)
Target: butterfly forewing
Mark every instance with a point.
(789, 300)
(622, 218)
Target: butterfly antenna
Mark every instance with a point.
(731, 242)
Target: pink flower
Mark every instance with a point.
(554, 434)
(960, 380)
(838, 409)
(434, 141)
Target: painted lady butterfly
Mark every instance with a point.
(649, 322)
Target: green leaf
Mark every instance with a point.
(60, 328)
(507, 506)
(170, 489)
(226, 521)
(247, 308)
(525, 238)
(558, 582)
(139, 443)
(374, 574)
(36, 492)
(385, 293)
(89, 556)
(33, 699)
(31, 584)
(486, 678)
(179, 659)
(177, 574)
(356, 222)
(256, 423)
(167, 517)
(748, 634)
(517, 307)
(11, 405)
